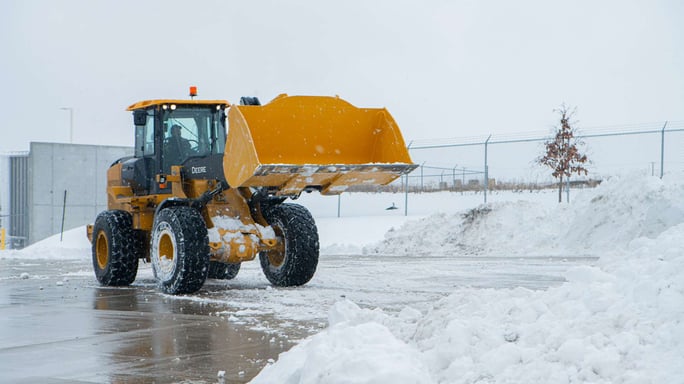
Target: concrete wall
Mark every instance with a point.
(81, 171)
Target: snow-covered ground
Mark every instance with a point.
(618, 319)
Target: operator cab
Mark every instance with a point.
(191, 133)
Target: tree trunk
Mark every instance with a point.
(560, 189)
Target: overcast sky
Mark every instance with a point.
(442, 68)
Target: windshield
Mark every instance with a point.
(192, 132)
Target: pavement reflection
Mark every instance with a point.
(55, 330)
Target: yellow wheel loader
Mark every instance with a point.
(207, 185)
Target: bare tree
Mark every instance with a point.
(562, 154)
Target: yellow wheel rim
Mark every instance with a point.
(166, 250)
(102, 250)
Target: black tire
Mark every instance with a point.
(294, 261)
(179, 249)
(223, 271)
(115, 248)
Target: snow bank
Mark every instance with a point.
(365, 219)
(352, 350)
(617, 322)
(73, 244)
(600, 220)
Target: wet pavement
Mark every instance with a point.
(59, 326)
(62, 328)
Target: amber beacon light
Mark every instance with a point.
(193, 91)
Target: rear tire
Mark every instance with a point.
(179, 249)
(223, 271)
(115, 249)
(294, 261)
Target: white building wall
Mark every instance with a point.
(81, 171)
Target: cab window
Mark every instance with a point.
(144, 137)
(191, 132)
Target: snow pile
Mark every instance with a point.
(598, 327)
(352, 350)
(72, 244)
(617, 322)
(609, 217)
(365, 218)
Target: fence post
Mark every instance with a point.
(486, 170)
(662, 149)
(463, 181)
(339, 198)
(408, 148)
(421, 177)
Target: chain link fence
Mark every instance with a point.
(510, 161)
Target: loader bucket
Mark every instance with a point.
(300, 142)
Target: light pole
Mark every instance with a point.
(71, 123)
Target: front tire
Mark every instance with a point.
(293, 262)
(115, 248)
(179, 250)
(223, 271)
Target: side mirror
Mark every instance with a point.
(140, 117)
